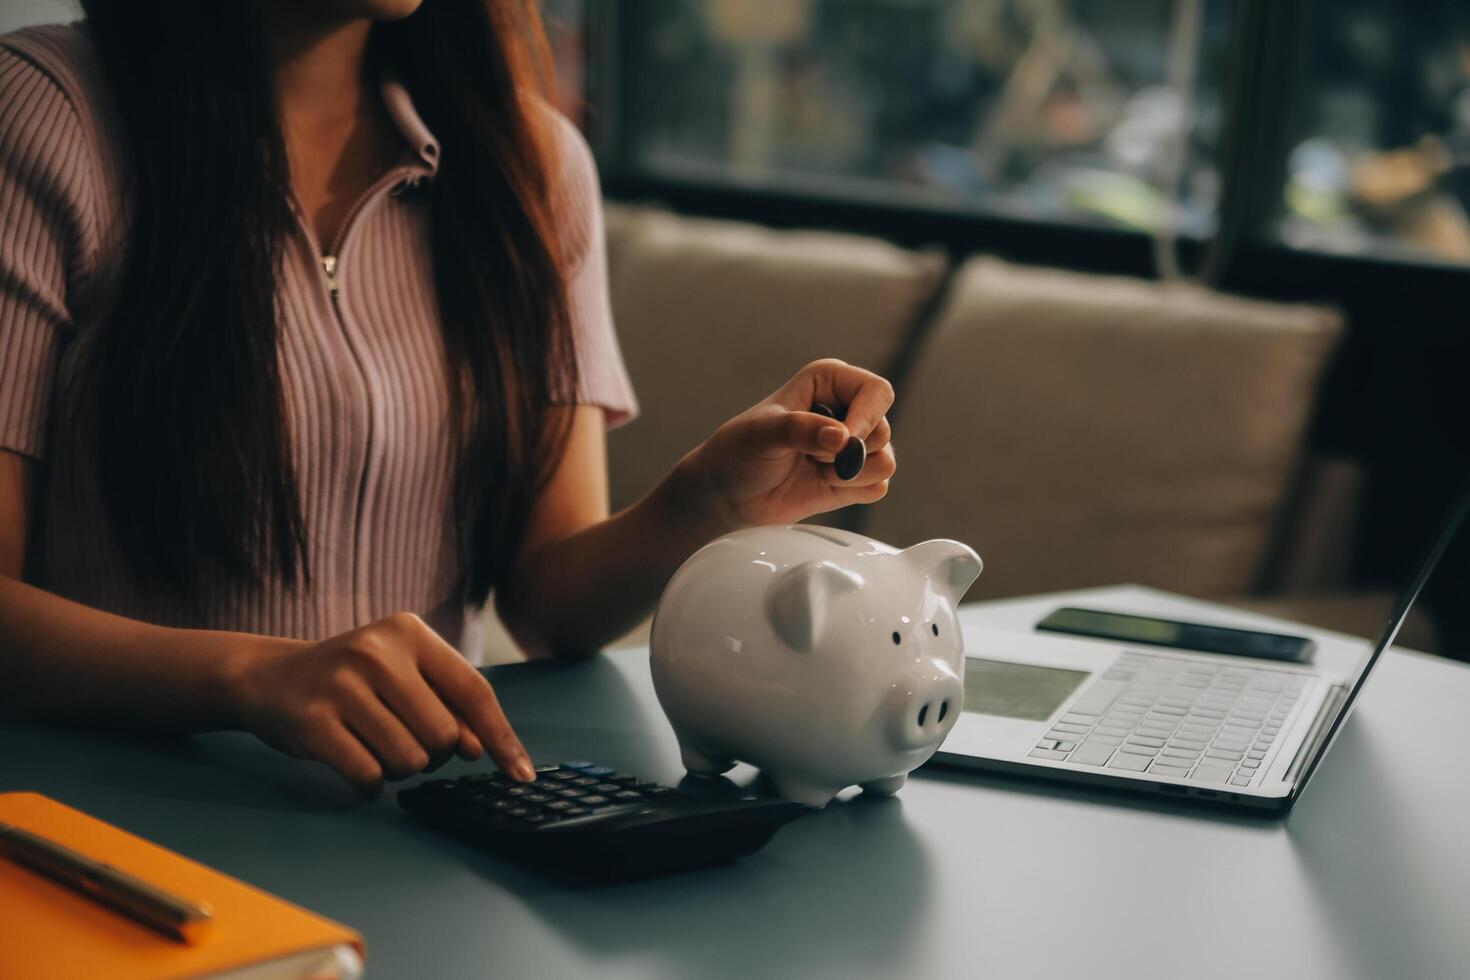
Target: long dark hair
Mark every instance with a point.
(190, 431)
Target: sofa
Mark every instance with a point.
(1077, 430)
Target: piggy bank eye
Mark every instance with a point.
(896, 638)
(935, 628)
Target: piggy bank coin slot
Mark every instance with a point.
(818, 533)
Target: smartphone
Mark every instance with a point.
(1184, 636)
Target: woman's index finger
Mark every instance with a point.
(859, 397)
(869, 406)
(855, 395)
(474, 700)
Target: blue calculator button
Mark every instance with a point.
(579, 764)
(597, 771)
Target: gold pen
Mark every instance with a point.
(175, 917)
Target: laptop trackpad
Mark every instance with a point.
(1022, 691)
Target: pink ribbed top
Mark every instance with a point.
(364, 379)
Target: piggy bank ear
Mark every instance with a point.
(951, 566)
(801, 598)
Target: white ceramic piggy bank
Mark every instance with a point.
(822, 657)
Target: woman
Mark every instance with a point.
(304, 351)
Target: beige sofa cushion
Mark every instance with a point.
(715, 315)
(1082, 430)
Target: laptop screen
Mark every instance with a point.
(1452, 522)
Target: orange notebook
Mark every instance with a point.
(49, 930)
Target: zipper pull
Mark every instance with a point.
(329, 266)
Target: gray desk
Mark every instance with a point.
(959, 876)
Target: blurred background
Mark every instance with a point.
(1308, 156)
(1173, 291)
(1042, 109)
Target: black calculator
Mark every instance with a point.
(589, 821)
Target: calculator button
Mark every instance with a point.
(561, 775)
(594, 816)
(584, 781)
(593, 799)
(622, 779)
(569, 792)
(598, 771)
(498, 805)
(559, 806)
(574, 811)
(627, 794)
(537, 798)
(519, 791)
(579, 764)
(606, 788)
(521, 811)
(535, 818)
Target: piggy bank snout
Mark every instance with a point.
(923, 710)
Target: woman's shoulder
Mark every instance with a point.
(577, 189)
(53, 96)
(55, 59)
(574, 156)
(57, 147)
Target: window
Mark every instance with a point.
(1055, 111)
(1042, 109)
(1382, 165)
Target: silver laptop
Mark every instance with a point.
(1238, 731)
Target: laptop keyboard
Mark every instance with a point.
(1170, 716)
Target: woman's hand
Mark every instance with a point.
(772, 464)
(387, 700)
